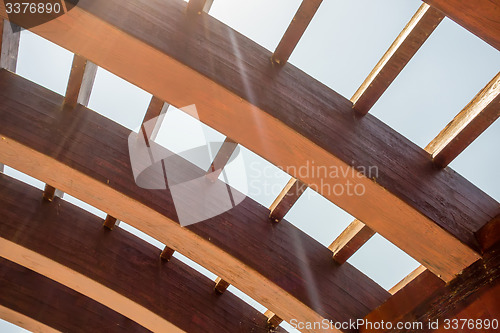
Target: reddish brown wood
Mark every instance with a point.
(239, 245)
(295, 30)
(80, 83)
(9, 45)
(49, 303)
(272, 319)
(50, 192)
(109, 222)
(221, 285)
(489, 234)
(473, 120)
(298, 120)
(350, 240)
(117, 269)
(413, 36)
(286, 199)
(221, 159)
(481, 17)
(167, 253)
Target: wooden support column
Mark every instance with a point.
(350, 240)
(167, 253)
(413, 36)
(50, 193)
(10, 34)
(473, 120)
(221, 285)
(221, 159)
(286, 199)
(80, 83)
(110, 222)
(154, 117)
(199, 6)
(272, 319)
(295, 30)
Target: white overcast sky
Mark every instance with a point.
(341, 46)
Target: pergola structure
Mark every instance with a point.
(63, 271)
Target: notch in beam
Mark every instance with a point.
(286, 199)
(10, 34)
(167, 253)
(350, 240)
(415, 33)
(221, 159)
(295, 30)
(272, 319)
(473, 120)
(220, 285)
(80, 83)
(199, 6)
(50, 192)
(110, 222)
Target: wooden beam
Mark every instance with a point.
(407, 279)
(295, 30)
(116, 269)
(97, 170)
(413, 36)
(9, 43)
(473, 120)
(49, 193)
(220, 285)
(272, 319)
(80, 83)
(479, 17)
(430, 215)
(286, 199)
(39, 304)
(350, 240)
(167, 253)
(109, 222)
(154, 117)
(221, 159)
(199, 6)
(426, 298)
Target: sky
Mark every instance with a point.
(340, 47)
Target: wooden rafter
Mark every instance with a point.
(350, 240)
(39, 304)
(286, 199)
(473, 120)
(295, 30)
(238, 92)
(479, 17)
(415, 33)
(114, 268)
(285, 285)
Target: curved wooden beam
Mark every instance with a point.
(117, 269)
(286, 117)
(39, 304)
(276, 264)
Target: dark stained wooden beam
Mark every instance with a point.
(350, 240)
(80, 83)
(199, 6)
(415, 33)
(39, 304)
(116, 269)
(295, 30)
(221, 285)
(221, 159)
(154, 117)
(96, 168)
(427, 298)
(286, 199)
(10, 34)
(479, 17)
(430, 214)
(473, 120)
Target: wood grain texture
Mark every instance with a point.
(295, 30)
(50, 304)
(276, 264)
(474, 119)
(426, 298)
(117, 269)
(9, 44)
(286, 117)
(222, 158)
(481, 17)
(153, 119)
(80, 83)
(413, 36)
(286, 199)
(350, 240)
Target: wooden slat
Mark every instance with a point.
(350, 240)
(154, 117)
(415, 33)
(199, 6)
(473, 120)
(296, 119)
(426, 298)
(479, 17)
(97, 170)
(407, 279)
(80, 83)
(220, 285)
(286, 199)
(221, 159)
(295, 30)
(39, 304)
(116, 269)
(49, 193)
(9, 43)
